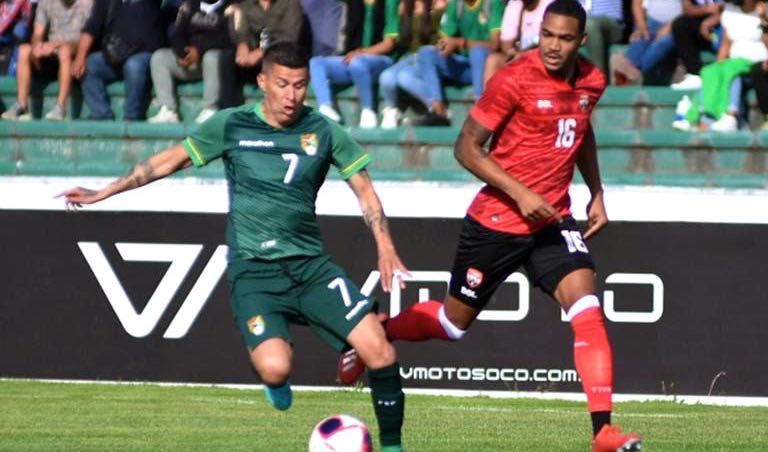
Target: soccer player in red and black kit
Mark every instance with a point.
(536, 110)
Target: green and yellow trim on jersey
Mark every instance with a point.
(193, 152)
(354, 167)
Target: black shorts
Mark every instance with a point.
(485, 258)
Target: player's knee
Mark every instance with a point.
(381, 356)
(273, 371)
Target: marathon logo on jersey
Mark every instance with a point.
(544, 104)
(309, 143)
(584, 102)
(256, 144)
(474, 277)
(256, 325)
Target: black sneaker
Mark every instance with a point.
(432, 120)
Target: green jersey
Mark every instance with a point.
(391, 21)
(274, 176)
(475, 23)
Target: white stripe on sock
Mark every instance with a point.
(451, 330)
(581, 305)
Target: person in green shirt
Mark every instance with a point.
(362, 65)
(469, 32)
(420, 20)
(276, 156)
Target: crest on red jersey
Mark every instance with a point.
(584, 102)
(474, 277)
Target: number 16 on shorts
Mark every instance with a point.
(574, 241)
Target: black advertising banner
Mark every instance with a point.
(143, 296)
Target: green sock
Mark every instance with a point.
(388, 403)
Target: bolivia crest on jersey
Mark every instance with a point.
(584, 102)
(256, 325)
(309, 143)
(474, 277)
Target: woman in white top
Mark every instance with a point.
(520, 28)
(742, 46)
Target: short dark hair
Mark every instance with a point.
(569, 8)
(286, 54)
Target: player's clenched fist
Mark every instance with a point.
(535, 208)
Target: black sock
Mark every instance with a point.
(388, 402)
(599, 419)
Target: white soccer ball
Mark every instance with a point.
(340, 433)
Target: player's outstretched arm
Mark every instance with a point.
(156, 167)
(373, 214)
(469, 151)
(597, 217)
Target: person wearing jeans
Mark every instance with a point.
(470, 30)
(139, 25)
(419, 23)
(649, 44)
(361, 66)
(99, 74)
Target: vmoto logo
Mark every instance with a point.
(181, 257)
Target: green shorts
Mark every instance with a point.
(268, 295)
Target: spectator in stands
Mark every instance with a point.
(605, 27)
(759, 74)
(419, 23)
(50, 53)
(470, 30)
(256, 24)
(128, 33)
(201, 32)
(15, 18)
(721, 91)
(362, 65)
(520, 27)
(695, 31)
(325, 19)
(650, 43)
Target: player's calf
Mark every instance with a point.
(423, 321)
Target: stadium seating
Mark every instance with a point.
(637, 146)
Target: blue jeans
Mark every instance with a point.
(362, 71)
(402, 75)
(457, 68)
(99, 73)
(13, 37)
(647, 53)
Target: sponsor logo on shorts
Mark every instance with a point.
(309, 143)
(268, 244)
(468, 292)
(256, 325)
(474, 277)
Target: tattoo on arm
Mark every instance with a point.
(141, 174)
(375, 220)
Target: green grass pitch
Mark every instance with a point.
(37, 416)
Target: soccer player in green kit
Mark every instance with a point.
(276, 156)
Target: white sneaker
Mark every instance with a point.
(726, 123)
(390, 116)
(206, 113)
(57, 113)
(164, 116)
(330, 112)
(368, 119)
(17, 113)
(681, 124)
(689, 82)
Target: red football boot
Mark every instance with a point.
(611, 439)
